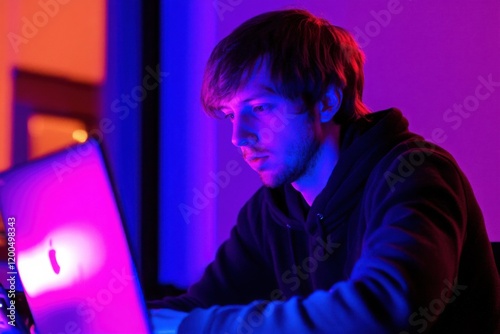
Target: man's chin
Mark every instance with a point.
(272, 180)
(271, 185)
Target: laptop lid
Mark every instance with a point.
(71, 251)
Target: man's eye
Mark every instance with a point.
(261, 108)
(220, 114)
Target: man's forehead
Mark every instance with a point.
(256, 85)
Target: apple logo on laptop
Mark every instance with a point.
(53, 259)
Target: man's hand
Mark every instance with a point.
(166, 321)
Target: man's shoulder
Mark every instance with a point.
(413, 159)
(254, 205)
(267, 196)
(259, 197)
(263, 206)
(259, 219)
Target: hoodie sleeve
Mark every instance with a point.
(409, 259)
(239, 273)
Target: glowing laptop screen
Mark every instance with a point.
(72, 254)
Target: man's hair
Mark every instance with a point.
(305, 54)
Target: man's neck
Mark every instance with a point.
(315, 180)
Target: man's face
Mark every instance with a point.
(275, 135)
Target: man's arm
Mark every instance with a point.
(238, 275)
(410, 255)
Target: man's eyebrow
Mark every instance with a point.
(267, 90)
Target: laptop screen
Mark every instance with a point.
(71, 251)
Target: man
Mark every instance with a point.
(361, 226)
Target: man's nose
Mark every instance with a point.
(244, 130)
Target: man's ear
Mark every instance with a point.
(330, 103)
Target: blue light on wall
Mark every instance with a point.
(121, 136)
(186, 153)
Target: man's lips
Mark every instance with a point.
(255, 157)
(255, 160)
(250, 154)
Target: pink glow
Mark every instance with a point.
(66, 204)
(76, 260)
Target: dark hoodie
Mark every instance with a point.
(395, 243)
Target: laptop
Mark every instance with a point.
(71, 250)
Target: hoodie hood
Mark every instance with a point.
(362, 145)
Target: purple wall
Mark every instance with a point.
(425, 57)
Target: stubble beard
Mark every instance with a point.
(304, 157)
